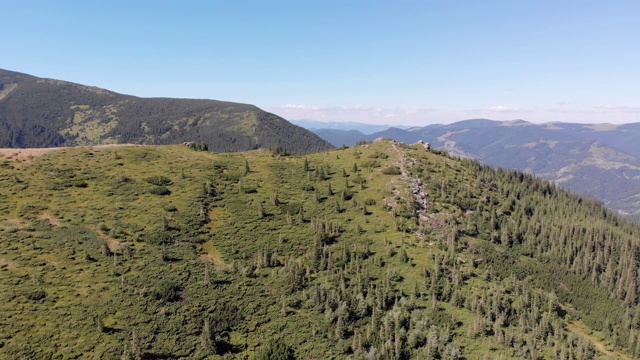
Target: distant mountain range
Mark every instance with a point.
(349, 125)
(37, 112)
(599, 160)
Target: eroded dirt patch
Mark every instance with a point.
(15, 223)
(52, 220)
(9, 265)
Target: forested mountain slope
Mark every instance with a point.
(36, 112)
(597, 160)
(381, 251)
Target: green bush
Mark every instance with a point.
(275, 350)
(166, 290)
(79, 183)
(347, 194)
(160, 190)
(159, 180)
(391, 170)
(36, 295)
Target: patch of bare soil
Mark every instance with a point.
(16, 223)
(53, 221)
(10, 265)
(25, 155)
(113, 244)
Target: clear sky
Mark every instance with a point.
(391, 62)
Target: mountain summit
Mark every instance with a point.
(38, 112)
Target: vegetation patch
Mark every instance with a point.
(451, 259)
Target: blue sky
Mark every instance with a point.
(393, 62)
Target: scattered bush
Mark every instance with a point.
(159, 180)
(290, 208)
(104, 228)
(36, 295)
(160, 190)
(166, 290)
(275, 350)
(79, 183)
(391, 170)
(378, 155)
(370, 164)
(347, 194)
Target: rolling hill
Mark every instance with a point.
(381, 251)
(601, 161)
(37, 112)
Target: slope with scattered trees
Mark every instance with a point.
(380, 251)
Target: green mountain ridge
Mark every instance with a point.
(597, 160)
(37, 112)
(380, 251)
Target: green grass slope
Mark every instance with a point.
(36, 112)
(381, 251)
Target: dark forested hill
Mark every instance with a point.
(36, 112)
(380, 251)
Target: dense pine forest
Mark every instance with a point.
(37, 112)
(379, 251)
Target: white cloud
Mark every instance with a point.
(618, 108)
(499, 109)
(505, 109)
(359, 113)
(560, 110)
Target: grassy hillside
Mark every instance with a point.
(36, 112)
(381, 251)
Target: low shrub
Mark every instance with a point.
(159, 180)
(391, 170)
(160, 190)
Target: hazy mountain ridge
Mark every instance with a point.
(345, 126)
(598, 160)
(36, 112)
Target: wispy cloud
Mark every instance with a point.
(499, 109)
(351, 113)
(505, 109)
(618, 108)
